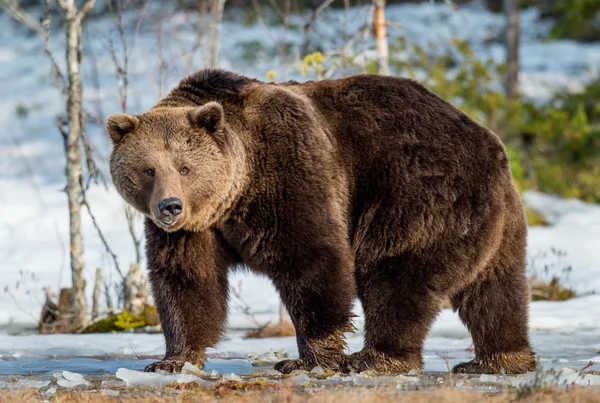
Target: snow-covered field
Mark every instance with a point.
(33, 222)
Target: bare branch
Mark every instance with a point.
(448, 2)
(87, 7)
(130, 214)
(12, 6)
(84, 201)
(56, 70)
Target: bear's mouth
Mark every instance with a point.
(167, 224)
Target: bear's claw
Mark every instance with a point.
(508, 363)
(172, 366)
(381, 363)
(287, 366)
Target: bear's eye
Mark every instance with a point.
(184, 171)
(149, 172)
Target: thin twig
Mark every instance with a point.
(85, 202)
(12, 6)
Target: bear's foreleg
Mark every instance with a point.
(317, 292)
(188, 279)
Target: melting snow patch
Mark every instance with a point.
(50, 392)
(68, 379)
(137, 378)
(268, 358)
(28, 383)
(232, 377)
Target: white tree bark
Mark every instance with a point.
(73, 29)
(511, 10)
(381, 37)
(96, 295)
(216, 25)
(72, 136)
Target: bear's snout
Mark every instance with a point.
(170, 208)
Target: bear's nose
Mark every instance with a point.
(170, 207)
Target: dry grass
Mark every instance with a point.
(283, 329)
(290, 395)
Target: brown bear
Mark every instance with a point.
(367, 186)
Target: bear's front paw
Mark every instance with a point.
(381, 363)
(171, 365)
(287, 366)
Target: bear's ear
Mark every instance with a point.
(209, 116)
(118, 125)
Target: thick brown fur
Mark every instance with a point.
(368, 187)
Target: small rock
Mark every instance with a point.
(298, 372)
(413, 372)
(301, 380)
(317, 371)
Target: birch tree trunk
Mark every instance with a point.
(511, 10)
(96, 295)
(216, 25)
(73, 29)
(381, 37)
(72, 136)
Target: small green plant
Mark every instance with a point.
(576, 19)
(549, 265)
(251, 50)
(124, 320)
(552, 147)
(128, 321)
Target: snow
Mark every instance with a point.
(137, 378)
(34, 232)
(68, 379)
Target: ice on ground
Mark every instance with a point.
(301, 380)
(137, 378)
(29, 384)
(268, 358)
(68, 379)
(231, 377)
(575, 230)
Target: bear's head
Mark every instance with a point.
(175, 164)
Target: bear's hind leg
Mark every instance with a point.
(495, 310)
(400, 306)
